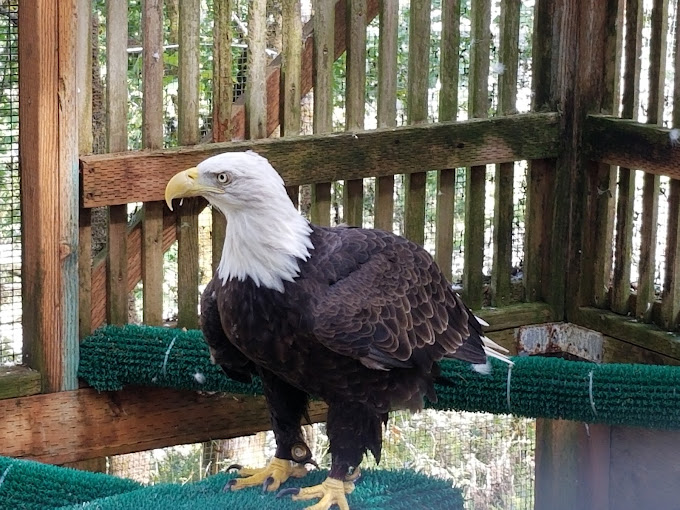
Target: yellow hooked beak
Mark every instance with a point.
(185, 184)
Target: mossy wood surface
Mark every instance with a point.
(632, 145)
(141, 176)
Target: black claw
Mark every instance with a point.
(229, 485)
(237, 467)
(313, 463)
(267, 483)
(291, 491)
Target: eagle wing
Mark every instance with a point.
(222, 351)
(388, 304)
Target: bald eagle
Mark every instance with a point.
(357, 317)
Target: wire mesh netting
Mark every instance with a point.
(10, 207)
(490, 457)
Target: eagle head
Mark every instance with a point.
(266, 236)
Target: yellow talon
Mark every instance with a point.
(270, 477)
(331, 491)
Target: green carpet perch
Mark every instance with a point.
(33, 486)
(617, 394)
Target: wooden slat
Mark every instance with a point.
(387, 105)
(139, 176)
(324, 24)
(188, 134)
(670, 297)
(84, 424)
(290, 68)
(475, 181)
(256, 71)
(505, 172)
(416, 112)
(540, 173)
(84, 111)
(152, 138)
(355, 101)
(516, 315)
(116, 124)
(650, 192)
(222, 102)
(448, 110)
(134, 242)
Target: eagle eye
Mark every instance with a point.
(223, 178)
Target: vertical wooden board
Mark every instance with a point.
(540, 187)
(116, 123)
(475, 181)
(387, 104)
(540, 174)
(448, 110)
(646, 268)
(572, 466)
(650, 193)
(84, 112)
(222, 79)
(626, 189)
(504, 212)
(624, 241)
(256, 70)
(355, 100)
(291, 65)
(222, 100)
(324, 41)
(66, 361)
(416, 110)
(187, 228)
(670, 297)
(152, 138)
(603, 234)
(475, 195)
(505, 172)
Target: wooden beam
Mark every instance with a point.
(18, 381)
(647, 336)
(517, 315)
(84, 424)
(632, 145)
(48, 148)
(141, 176)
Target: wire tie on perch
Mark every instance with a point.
(4, 474)
(590, 392)
(167, 354)
(507, 391)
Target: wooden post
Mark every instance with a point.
(49, 189)
(416, 108)
(84, 108)
(448, 110)
(187, 228)
(387, 105)
(475, 181)
(256, 71)
(152, 138)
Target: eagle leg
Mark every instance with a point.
(270, 477)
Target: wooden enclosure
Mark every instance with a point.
(581, 141)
